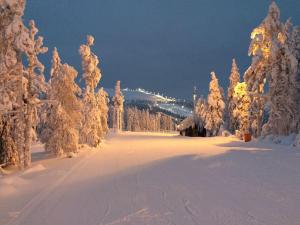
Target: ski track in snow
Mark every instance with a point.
(161, 179)
(42, 196)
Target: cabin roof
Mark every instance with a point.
(186, 123)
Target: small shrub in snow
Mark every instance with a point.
(226, 133)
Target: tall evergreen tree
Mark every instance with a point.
(241, 100)
(201, 111)
(216, 107)
(91, 131)
(234, 79)
(263, 39)
(118, 101)
(19, 85)
(102, 102)
(284, 86)
(65, 116)
(35, 84)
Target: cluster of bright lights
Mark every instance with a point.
(164, 98)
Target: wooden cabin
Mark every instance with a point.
(190, 127)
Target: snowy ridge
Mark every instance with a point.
(176, 109)
(140, 94)
(159, 101)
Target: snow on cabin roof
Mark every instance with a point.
(186, 123)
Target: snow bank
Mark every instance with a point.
(292, 140)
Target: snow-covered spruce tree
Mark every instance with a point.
(64, 117)
(284, 86)
(12, 82)
(241, 100)
(102, 102)
(35, 84)
(263, 40)
(293, 41)
(201, 111)
(216, 107)
(234, 79)
(19, 83)
(91, 131)
(118, 101)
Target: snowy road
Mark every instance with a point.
(139, 179)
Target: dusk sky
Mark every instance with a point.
(166, 46)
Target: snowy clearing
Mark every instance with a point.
(158, 179)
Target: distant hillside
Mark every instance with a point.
(177, 108)
(142, 95)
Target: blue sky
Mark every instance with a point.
(167, 46)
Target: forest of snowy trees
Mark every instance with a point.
(58, 112)
(143, 120)
(63, 114)
(267, 103)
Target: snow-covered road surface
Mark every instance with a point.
(159, 179)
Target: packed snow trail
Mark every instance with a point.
(159, 179)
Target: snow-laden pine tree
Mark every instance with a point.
(234, 79)
(284, 86)
(118, 101)
(263, 39)
(35, 84)
(91, 131)
(12, 83)
(201, 111)
(216, 107)
(293, 40)
(241, 100)
(20, 85)
(61, 133)
(102, 102)
(91, 72)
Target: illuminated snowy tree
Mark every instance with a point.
(91, 72)
(20, 85)
(264, 39)
(293, 41)
(234, 79)
(35, 84)
(284, 87)
(216, 107)
(242, 105)
(65, 116)
(91, 131)
(12, 81)
(118, 102)
(102, 101)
